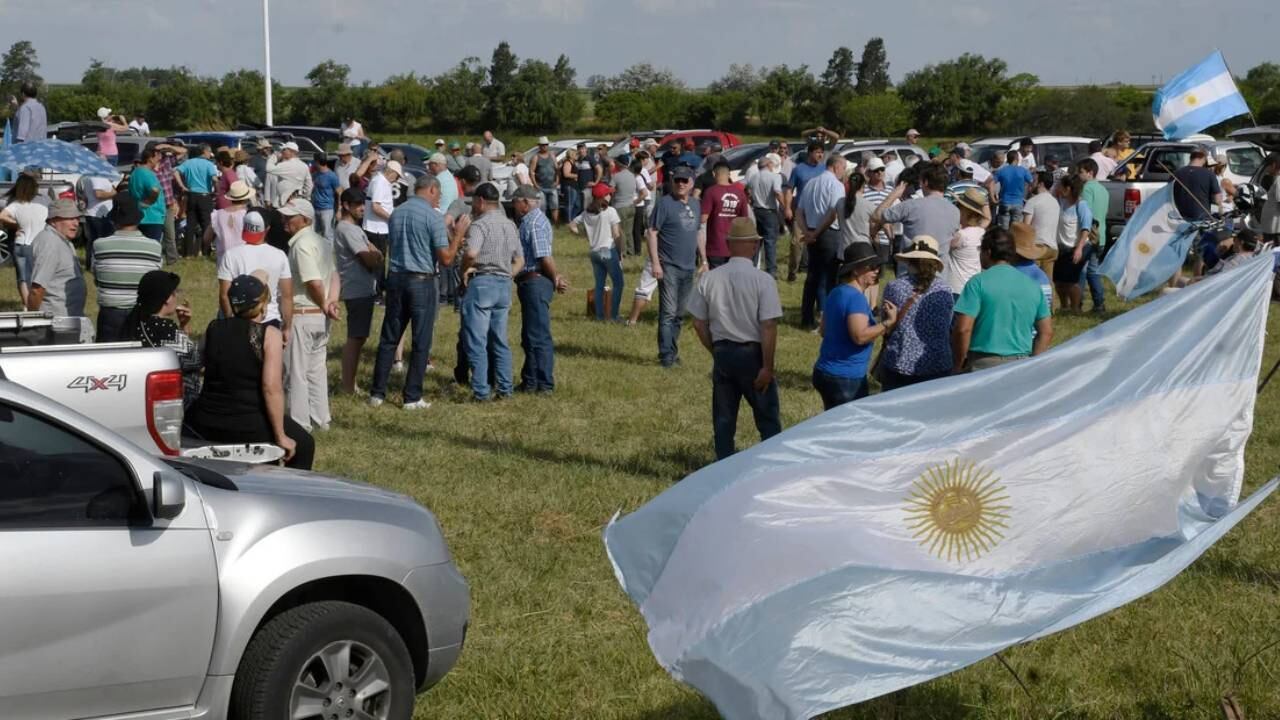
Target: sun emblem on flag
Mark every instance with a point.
(1192, 99)
(1144, 248)
(957, 510)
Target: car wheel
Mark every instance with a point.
(325, 661)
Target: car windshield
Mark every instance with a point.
(743, 155)
(1244, 161)
(1165, 162)
(982, 154)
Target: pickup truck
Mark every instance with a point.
(1151, 167)
(146, 588)
(134, 390)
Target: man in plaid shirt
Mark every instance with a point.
(170, 157)
(535, 286)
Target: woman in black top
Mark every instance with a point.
(242, 400)
(160, 319)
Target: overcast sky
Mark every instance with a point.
(1065, 42)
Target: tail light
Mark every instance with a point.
(1132, 198)
(164, 410)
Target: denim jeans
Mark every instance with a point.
(824, 261)
(484, 317)
(673, 302)
(606, 263)
(535, 296)
(111, 324)
(767, 227)
(572, 203)
(411, 299)
(733, 376)
(199, 212)
(1092, 276)
(1009, 213)
(836, 390)
(324, 223)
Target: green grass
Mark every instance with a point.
(524, 488)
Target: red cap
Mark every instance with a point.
(688, 144)
(600, 190)
(635, 142)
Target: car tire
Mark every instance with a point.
(286, 669)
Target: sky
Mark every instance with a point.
(1068, 42)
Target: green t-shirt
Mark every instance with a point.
(1096, 197)
(141, 182)
(1005, 305)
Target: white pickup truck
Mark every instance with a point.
(134, 390)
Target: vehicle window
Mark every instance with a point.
(982, 154)
(1244, 161)
(92, 146)
(1168, 161)
(128, 153)
(50, 477)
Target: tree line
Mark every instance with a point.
(969, 95)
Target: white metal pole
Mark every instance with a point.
(266, 44)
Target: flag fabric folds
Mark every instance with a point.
(1152, 247)
(909, 534)
(1202, 96)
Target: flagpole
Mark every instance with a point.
(1233, 79)
(266, 45)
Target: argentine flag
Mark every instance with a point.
(909, 534)
(1203, 96)
(1152, 247)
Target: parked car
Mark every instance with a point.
(853, 151)
(75, 130)
(623, 146)
(130, 147)
(1151, 167)
(413, 154)
(138, 586)
(700, 138)
(321, 137)
(248, 140)
(1065, 148)
(560, 147)
(1266, 137)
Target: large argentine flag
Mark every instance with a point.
(1152, 247)
(1203, 96)
(909, 534)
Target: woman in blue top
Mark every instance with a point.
(849, 329)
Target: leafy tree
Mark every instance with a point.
(837, 84)
(122, 93)
(956, 97)
(536, 100)
(660, 106)
(185, 102)
(1261, 89)
(786, 98)
(455, 99)
(241, 98)
(402, 100)
(882, 114)
(328, 99)
(19, 66)
(68, 103)
(726, 110)
(502, 70)
(640, 76)
(564, 73)
(740, 78)
(873, 71)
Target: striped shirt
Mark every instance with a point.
(119, 262)
(873, 197)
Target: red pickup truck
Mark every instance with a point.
(700, 138)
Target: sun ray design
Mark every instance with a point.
(957, 510)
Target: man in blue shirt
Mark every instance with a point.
(1029, 253)
(802, 173)
(676, 242)
(196, 177)
(325, 187)
(1014, 180)
(818, 228)
(418, 246)
(535, 286)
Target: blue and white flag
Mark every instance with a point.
(909, 534)
(1203, 96)
(1152, 247)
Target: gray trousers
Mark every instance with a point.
(306, 374)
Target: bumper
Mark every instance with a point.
(444, 599)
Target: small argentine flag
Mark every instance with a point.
(1203, 96)
(1152, 248)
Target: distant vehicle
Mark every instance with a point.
(623, 146)
(741, 157)
(248, 140)
(700, 138)
(321, 137)
(853, 151)
(75, 130)
(1151, 167)
(130, 147)
(1266, 137)
(413, 154)
(146, 587)
(1066, 148)
(560, 147)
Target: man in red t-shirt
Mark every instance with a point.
(721, 203)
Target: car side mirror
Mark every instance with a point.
(168, 495)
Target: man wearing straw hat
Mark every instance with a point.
(735, 311)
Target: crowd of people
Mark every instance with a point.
(981, 255)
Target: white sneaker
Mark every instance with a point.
(417, 405)
(398, 367)
(375, 401)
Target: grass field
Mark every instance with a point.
(524, 488)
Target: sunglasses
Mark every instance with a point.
(682, 181)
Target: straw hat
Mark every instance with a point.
(239, 192)
(973, 200)
(742, 229)
(923, 247)
(1024, 240)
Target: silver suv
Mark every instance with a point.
(162, 588)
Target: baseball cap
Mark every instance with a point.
(437, 158)
(439, 141)
(255, 228)
(104, 113)
(352, 196)
(874, 164)
(635, 142)
(527, 192)
(683, 172)
(263, 143)
(600, 190)
(395, 167)
(967, 166)
(291, 145)
(298, 206)
(245, 291)
(469, 174)
(912, 132)
(454, 145)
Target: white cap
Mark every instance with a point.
(543, 140)
(395, 167)
(439, 141)
(104, 113)
(291, 145)
(912, 131)
(875, 163)
(968, 166)
(437, 158)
